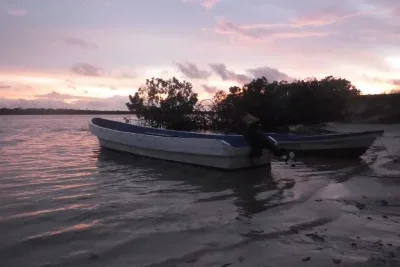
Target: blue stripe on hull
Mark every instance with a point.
(234, 140)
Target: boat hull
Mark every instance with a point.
(219, 162)
(203, 152)
(349, 145)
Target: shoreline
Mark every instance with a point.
(42, 111)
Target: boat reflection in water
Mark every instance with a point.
(143, 176)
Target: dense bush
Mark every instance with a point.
(169, 104)
(172, 104)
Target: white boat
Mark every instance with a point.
(228, 152)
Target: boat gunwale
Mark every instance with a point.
(160, 136)
(370, 135)
(280, 138)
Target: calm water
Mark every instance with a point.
(66, 202)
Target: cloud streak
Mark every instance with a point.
(267, 32)
(58, 96)
(5, 86)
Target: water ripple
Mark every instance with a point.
(66, 202)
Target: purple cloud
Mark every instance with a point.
(228, 75)
(127, 76)
(270, 73)
(209, 89)
(86, 69)
(75, 41)
(5, 86)
(70, 84)
(190, 70)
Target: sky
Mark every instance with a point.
(91, 54)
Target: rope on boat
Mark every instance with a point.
(387, 151)
(372, 175)
(83, 136)
(377, 175)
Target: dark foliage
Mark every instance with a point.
(172, 104)
(169, 104)
(278, 104)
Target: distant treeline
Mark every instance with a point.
(51, 111)
(382, 108)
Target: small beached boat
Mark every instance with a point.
(343, 145)
(213, 150)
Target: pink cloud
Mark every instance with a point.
(395, 82)
(59, 96)
(331, 14)
(312, 22)
(265, 32)
(380, 80)
(17, 12)
(209, 4)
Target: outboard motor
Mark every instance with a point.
(258, 141)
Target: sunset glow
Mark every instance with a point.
(93, 54)
(394, 62)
